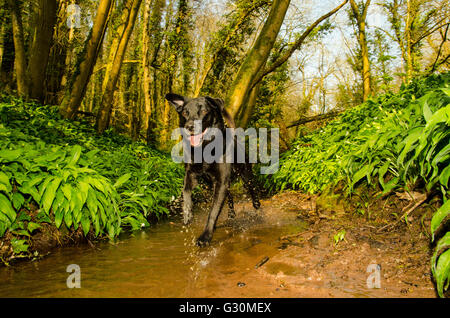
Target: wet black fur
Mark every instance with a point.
(210, 111)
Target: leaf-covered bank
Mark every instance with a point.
(393, 142)
(60, 175)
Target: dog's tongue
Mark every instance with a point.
(196, 139)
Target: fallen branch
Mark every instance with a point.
(415, 206)
(305, 120)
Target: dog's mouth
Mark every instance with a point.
(197, 139)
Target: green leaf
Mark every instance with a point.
(59, 214)
(67, 190)
(427, 113)
(10, 155)
(361, 173)
(74, 155)
(442, 271)
(68, 218)
(19, 246)
(6, 208)
(33, 226)
(17, 200)
(445, 175)
(439, 216)
(50, 193)
(4, 181)
(122, 180)
(85, 224)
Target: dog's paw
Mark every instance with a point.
(204, 240)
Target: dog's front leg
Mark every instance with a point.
(220, 192)
(187, 197)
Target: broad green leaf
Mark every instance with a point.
(6, 208)
(74, 155)
(85, 224)
(67, 190)
(17, 200)
(439, 216)
(50, 193)
(59, 214)
(427, 113)
(10, 155)
(4, 181)
(445, 175)
(122, 180)
(442, 272)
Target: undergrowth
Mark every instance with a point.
(62, 173)
(396, 142)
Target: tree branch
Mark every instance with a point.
(440, 48)
(281, 60)
(305, 120)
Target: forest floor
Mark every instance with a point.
(315, 262)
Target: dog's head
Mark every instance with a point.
(197, 115)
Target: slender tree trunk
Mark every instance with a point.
(409, 59)
(2, 41)
(72, 101)
(103, 116)
(20, 60)
(256, 58)
(361, 25)
(367, 87)
(150, 50)
(68, 59)
(40, 49)
(146, 81)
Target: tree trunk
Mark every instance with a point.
(2, 41)
(68, 59)
(72, 101)
(103, 116)
(20, 60)
(361, 23)
(40, 48)
(409, 58)
(256, 58)
(246, 114)
(151, 44)
(296, 45)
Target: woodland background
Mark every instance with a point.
(113, 61)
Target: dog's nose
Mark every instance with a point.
(190, 127)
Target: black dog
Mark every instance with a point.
(210, 112)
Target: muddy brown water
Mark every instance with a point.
(163, 261)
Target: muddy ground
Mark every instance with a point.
(317, 262)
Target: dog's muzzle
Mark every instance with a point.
(197, 140)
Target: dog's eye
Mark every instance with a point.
(185, 113)
(205, 111)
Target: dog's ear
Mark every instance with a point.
(176, 100)
(216, 102)
(220, 105)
